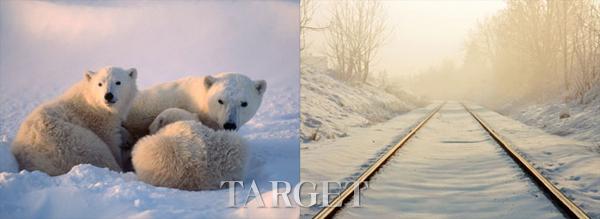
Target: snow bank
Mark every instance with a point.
(330, 107)
(582, 123)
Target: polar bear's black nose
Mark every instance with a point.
(229, 126)
(108, 96)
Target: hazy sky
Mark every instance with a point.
(164, 40)
(424, 32)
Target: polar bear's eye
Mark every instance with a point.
(220, 102)
(118, 83)
(244, 104)
(99, 84)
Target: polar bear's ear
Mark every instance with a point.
(261, 86)
(161, 121)
(132, 73)
(88, 75)
(209, 81)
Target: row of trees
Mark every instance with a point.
(533, 47)
(354, 34)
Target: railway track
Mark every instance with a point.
(558, 199)
(329, 212)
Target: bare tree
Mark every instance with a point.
(533, 47)
(356, 31)
(585, 42)
(307, 13)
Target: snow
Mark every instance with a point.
(273, 140)
(582, 124)
(40, 60)
(570, 164)
(331, 107)
(343, 159)
(452, 168)
(7, 160)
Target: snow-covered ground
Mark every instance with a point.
(91, 191)
(571, 165)
(46, 46)
(582, 123)
(344, 159)
(452, 168)
(330, 107)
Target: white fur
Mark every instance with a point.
(169, 116)
(78, 127)
(199, 95)
(188, 155)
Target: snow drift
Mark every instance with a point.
(573, 119)
(330, 107)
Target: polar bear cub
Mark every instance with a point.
(169, 116)
(81, 126)
(224, 101)
(188, 155)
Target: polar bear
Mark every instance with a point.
(81, 126)
(188, 155)
(224, 101)
(166, 117)
(169, 116)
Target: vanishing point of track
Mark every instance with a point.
(567, 207)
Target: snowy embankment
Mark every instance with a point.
(330, 107)
(580, 121)
(88, 191)
(571, 165)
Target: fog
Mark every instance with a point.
(420, 32)
(529, 52)
(496, 53)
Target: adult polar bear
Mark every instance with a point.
(81, 126)
(223, 101)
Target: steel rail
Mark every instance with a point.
(554, 194)
(338, 201)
